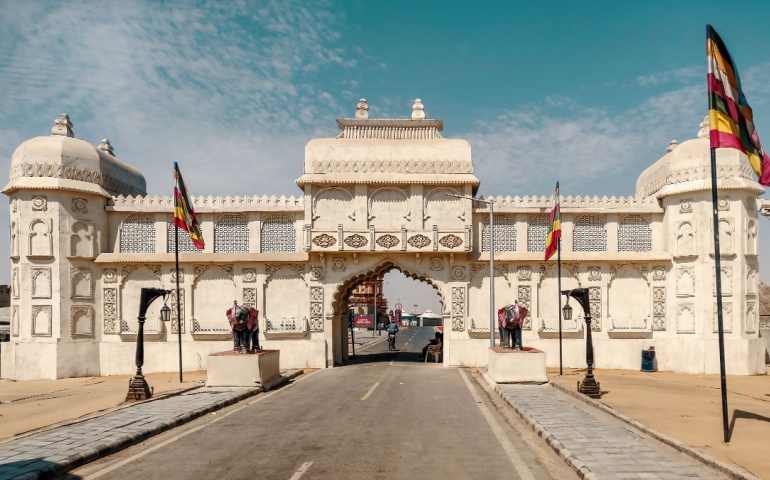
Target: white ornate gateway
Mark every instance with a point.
(85, 238)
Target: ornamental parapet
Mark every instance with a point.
(510, 204)
(203, 204)
(385, 240)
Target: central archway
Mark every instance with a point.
(345, 289)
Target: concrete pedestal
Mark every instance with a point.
(230, 369)
(517, 366)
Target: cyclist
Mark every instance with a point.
(392, 329)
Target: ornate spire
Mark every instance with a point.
(362, 109)
(62, 126)
(704, 128)
(106, 147)
(672, 146)
(418, 110)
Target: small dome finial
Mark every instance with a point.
(418, 110)
(62, 126)
(704, 128)
(362, 109)
(106, 147)
(672, 146)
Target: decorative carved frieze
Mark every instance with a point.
(658, 273)
(80, 205)
(458, 273)
(316, 274)
(685, 205)
(436, 264)
(125, 271)
(174, 275)
(594, 273)
(458, 308)
(595, 305)
(249, 275)
(387, 241)
(325, 241)
(316, 309)
(356, 241)
(110, 275)
(29, 169)
(659, 308)
(109, 301)
(338, 264)
(271, 268)
(476, 268)
(451, 241)
(525, 273)
(175, 314)
(250, 297)
(39, 203)
(525, 297)
(723, 204)
(419, 241)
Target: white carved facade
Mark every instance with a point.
(85, 239)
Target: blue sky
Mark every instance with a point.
(589, 93)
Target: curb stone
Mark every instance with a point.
(671, 441)
(580, 468)
(92, 454)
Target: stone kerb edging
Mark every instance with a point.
(210, 201)
(681, 446)
(580, 468)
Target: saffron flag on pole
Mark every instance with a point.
(730, 117)
(184, 215)
(554, 227)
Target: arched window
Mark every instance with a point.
(137, 235)
(278, 234)
(634, 234)
(231, 234)
(537, 232)
(589, 235)
(505, 234)
(185, 242)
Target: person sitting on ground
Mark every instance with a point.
(434, 341)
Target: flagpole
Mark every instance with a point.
(178, 309)
(718, 268)
(558, 293)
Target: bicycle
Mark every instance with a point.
(391, 342)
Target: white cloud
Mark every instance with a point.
(676, 75)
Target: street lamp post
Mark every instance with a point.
(492, 316)
(588, 386)
(138, 389)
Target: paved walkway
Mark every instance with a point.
(596, 446)
(61, 449)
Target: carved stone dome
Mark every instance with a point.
(60, 161)
(687, 168)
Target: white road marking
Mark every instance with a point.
(370, 391)
(510, 450)
(298, 474)
(130, 459)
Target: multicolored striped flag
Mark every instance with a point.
(554, 227)
(184, 215)
(730, 117)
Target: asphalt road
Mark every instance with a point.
(386, 415)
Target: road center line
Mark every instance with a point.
(510, 450)
(173, 439)
(298, 474)
(370, 391)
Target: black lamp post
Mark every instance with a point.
(588, 386)
(137, 387)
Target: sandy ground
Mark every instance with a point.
(30, 405)
(689, 408)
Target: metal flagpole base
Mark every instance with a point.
(138, 389)
(590, 388)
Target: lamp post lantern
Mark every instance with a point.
(588, 386)
(492, 316)
(138, 389)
